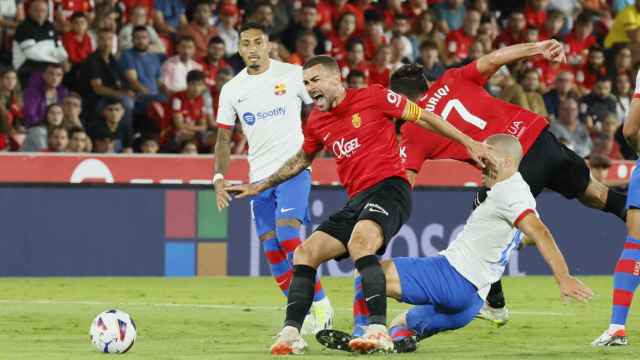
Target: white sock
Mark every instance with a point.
(613, 328)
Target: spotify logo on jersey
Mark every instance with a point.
(249, 118)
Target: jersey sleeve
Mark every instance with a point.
(471, 73)
(515, 204)
(226, 116)
(388, 102)
(302, 90)
(312, 144)
(413, 152)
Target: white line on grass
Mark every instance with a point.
(223, 306)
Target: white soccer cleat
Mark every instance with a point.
(308, 325)
(375, 339)
(619, 338)
(288, 342)
(498, 317)
(323, 315)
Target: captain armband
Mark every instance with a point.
(413, 112)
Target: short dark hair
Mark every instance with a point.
(225, 71)
(54, 65)
(185, 38)
(601, 78)
(216, 40)
(252, 25)
(409, 80)
(112, 100)
(76, 129)
(596, 48)
(354, 74)
(57, 128)
(353, 42)
(325, 60)
(428, 44)
(78, 15)
(195, 75)
(585, 18)
(139, 28)
(372, 15)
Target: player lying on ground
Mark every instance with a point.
(627, 272)
(449, 289)
(275, 90)
(460, 98)
(357, 126)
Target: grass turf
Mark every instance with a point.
(235, 318)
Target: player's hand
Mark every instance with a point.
(222, 196)
(481, 154)
(572, 287)
(243, 190)
(553, 50)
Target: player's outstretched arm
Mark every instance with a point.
(300, 161)
(222, 156)
(479, 151)
(551, 50)
(631, 127)
(536, 230)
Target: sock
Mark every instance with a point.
(614, 328)
(616, 204)
(300, 295)
(495, 298)
(374, 288)
(288, 240)
(400, 332)
(625, 280)
(360, 310)
(278, 264)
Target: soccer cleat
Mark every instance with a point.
(323, 315)
(497, 316)
(375, 339)
(288, 342)
(339, 340)
(308, 325)
(619, 338)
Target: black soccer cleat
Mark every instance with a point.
(339, 340)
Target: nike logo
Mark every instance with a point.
(371, 297)
(242, 99)
(283, 210)
(326, 137)
(289, 304)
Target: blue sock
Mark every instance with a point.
(625, 280)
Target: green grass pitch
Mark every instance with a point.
(235, 318)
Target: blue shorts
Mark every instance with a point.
(289, 200)
(432, 280)
(633, 196)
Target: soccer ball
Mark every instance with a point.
(113, 331)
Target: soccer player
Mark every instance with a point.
(627, 272)
(450, 288)
(356, 126)
(459, 98)
(267, 98)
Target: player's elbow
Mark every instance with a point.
(630, 129)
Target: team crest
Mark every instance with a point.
(356, 120)
(280, 89)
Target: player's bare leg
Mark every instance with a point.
(318, 248)
(599, 196)
(366, 239)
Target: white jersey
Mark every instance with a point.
(268, 106)
(481, 250)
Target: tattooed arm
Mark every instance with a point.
(222, 156)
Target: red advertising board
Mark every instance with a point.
(180, 169)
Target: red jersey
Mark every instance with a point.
(361, 135)
(575, 46)
(78, 50)
(460, 98)
(379, 76)
(458, 43)
(191, 109)
(345, 68)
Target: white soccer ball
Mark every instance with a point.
(113, 331)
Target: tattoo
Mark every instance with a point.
(223, 150)
(300, 161)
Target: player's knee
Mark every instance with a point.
(305, 255)
(366, 238)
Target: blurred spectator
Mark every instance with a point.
(599, 165)
(595, 105)
(43, 91)
(110, 133)
(430, 60)
(174, 71)
(36, 43)
(106, 18)
(340, 37)
(149, 146)
(401, 25)
(535, 13)
(37, 136)
(531, 87)
(426, 30)
(580, 40)
(401, 51)
(128, 8)
(450, 14)
(227, 28)
(359, 8)
(415, 8)
(71, 109)
(622, 94)
(510, 90)
(283, 13)
(373, 35)
(569, 130)
(263, 15)
(189, 148)
(141, 69)
(188, 110)
(380, 68)
(58, 139)
(354, 59)
(306, 21)
(626, 27)
(78, 141)
(169, 16)
(140, 17)
(564, 88)
(514, 32)
(553, 26)
(458, 42)
(619, 5)
(610, 125)
(356, 80)
(77, 42)
(64, 10)
(11, 14)
(305, 48)
(10, 106)
(621, 62)
(222, 77)
(587, 75)
(340, 7)
(214, 61)
(200, 28)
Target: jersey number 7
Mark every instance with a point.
(455, 104)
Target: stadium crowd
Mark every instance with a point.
(144, 76)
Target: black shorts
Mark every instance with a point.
(388, 203)
(550, 164)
